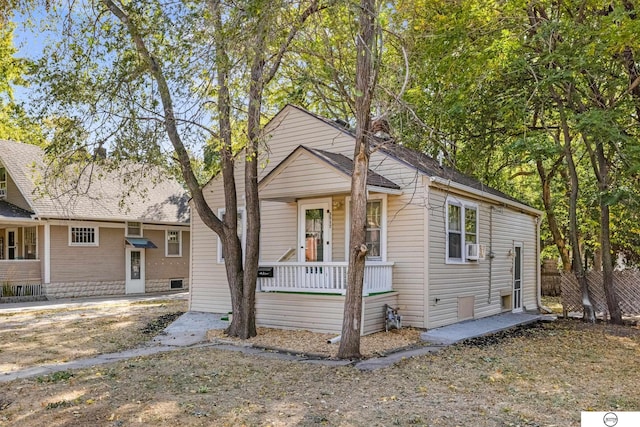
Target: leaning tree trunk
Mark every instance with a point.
(578, 269)
(365, 84)
(610, 291)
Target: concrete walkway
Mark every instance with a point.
(457, 332)
(190, 329)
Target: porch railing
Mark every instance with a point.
(322, 277)
(20, 270)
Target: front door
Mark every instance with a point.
(12, 244)
(314, 231)
(135, 271)
(517, 277)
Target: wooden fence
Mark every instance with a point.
(627, 284)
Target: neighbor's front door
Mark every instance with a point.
(135, 271)
(12, 244)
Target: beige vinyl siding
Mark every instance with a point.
(317, 313)
(338, 216)
(293, 128)
(406, 234)
(208, 287)
(483, 280)
(279, 228)
(105, 262)
(279, 231)
(405, 248)
(374, 311)
(14, 196)
(157, 266)
(305, 175)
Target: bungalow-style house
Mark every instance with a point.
(105, 239)
(442, 247)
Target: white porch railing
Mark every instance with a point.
(322, 277)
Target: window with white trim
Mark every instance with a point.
(375, 228)
(3, 183)
(240, 225)
(173, 247)
(30, 242)
(83, 236)
(461, 228)
(134, 229)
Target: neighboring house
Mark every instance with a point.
(442, 247)
(119, 233)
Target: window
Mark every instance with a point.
(376, 228)
(240, 222)
(462, 228)
(3, 183)
(174, 243)
(134, 229)
(83, 236)
(29, 239)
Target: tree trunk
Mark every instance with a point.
(365, 84)
(578, 269)
(602, 174)
(558, 238)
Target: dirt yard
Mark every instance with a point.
(539, 376)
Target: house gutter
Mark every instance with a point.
(447, 183)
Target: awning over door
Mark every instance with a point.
(140, 242)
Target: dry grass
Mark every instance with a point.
(315, 344)
(52, 336)
(540, 376)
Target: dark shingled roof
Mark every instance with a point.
(7, 210)
(345, 165)
(430, 167)
(419, 161)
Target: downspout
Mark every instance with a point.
(491, 208)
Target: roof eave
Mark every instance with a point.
(447, 183)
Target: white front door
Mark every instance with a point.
(314, 231)
(517, 277)
(135, 271)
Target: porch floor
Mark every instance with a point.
(461, 331)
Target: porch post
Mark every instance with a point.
(46, 259)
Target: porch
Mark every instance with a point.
(20, 271)
(322, 277)
(20, 280)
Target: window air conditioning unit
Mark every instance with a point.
(475, 252)
(3, 193)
